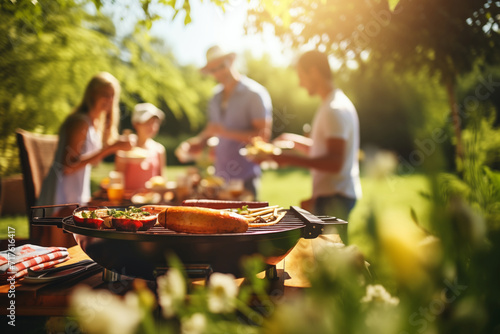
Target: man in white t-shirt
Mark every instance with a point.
(331, 151)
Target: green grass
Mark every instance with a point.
(18, 223)
(389, 199)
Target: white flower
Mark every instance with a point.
(171, 291)
(99, 311)
(196, 324)
(380, 164)
(222, 292)
(379, 295)
(382, 314)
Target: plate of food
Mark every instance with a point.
(156, 183)
(137, 153)
(146, 197)
(259, 150)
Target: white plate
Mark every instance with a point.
(146, 198)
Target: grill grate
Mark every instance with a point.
(289, 222)
(296, 218)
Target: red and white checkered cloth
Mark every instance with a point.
(17, 261)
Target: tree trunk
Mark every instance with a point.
(459, 150)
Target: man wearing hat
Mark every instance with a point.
(148, 158)
(239, 111)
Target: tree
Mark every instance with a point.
(44, 67)
(150, 74)
(50, 50)
(443, 36)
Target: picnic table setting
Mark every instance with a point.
(189, 185)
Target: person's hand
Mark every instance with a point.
(292, 141)
(284, 141)
(123, 144)
(267, 157)
(284, 137)
(282, 159)
(218, 130)
(193, 146)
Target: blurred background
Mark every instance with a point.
(423, 75)
(47, 56)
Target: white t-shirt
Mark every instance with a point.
(336, 118)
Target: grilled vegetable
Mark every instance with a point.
(92, 218)
(133, 219)
(202, 220)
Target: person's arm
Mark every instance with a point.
(197, 143)
(73, 160)
(120, 163)
(299, 143)
(260, 128)
(163, 161)
(331, 162)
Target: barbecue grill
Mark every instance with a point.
(145, 254)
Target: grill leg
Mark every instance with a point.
(272, 273)
(110, 276)
(276, 278)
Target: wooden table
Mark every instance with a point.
(52, 299)
(100, 198)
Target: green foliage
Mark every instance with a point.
(157, 79)
(292, 107)
(443, 36)
(478, 96)
(482, 143)
(48, 55)
(44, 68)
(384, 98)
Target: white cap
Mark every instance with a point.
(144, 111)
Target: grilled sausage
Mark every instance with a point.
(201, 220)
(220, 204)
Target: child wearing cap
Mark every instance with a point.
(148, 158)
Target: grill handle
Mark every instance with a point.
(315, 225)
(192, 271)
(51, 215)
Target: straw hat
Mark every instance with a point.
(215, 56)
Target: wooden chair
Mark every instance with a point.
(36, 153)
